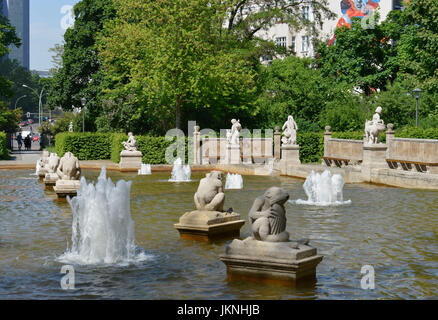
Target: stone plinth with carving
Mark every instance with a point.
(209, 221)
(51, 176)
(42, 163)
(130, 158)
(232, 155)
(69, 173)
(269, 254)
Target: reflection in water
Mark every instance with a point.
(394, 230)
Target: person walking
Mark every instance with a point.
(19, 141)
(27, 142)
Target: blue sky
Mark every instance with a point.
(45, 30)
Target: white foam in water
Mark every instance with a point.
(234, 181)
(180, 172)
(102, 230)
(145, 169)
(323, 190)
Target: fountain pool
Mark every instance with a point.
(395, 230)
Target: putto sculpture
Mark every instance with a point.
(269, 253)
(289, 132)
(69, 168)
(131, 144)
(268, 216)
(210, 220)
(69, 173)
(70, 127)
(374, 127)
(233, 136)
(210, 195)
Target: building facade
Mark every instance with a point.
(18, 13)
(301, 41)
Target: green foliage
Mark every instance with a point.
(311, 146)
(4, 152)
(417, 133)
(117, 146)
(85, 146)
(362, 57)
(9, 119)
(8, 37)
(351, 135)
(81, 72)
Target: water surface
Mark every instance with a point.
(394, 230)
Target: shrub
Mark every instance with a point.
(418, 133)
(4, 152)
(311, 146)
(85, 146)
(154, 149)
(116, 146)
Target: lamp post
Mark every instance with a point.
(83, 102)
(39, 103)
(417, 93)
(19, 100)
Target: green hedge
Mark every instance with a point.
(4, 152)
(85, 146)
(102, 146)
(311, 146)
(116, 146)
(417, 133)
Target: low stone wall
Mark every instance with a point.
(252, 150)
(413, 155)
(342, 152)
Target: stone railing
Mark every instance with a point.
(341, 152)
(419, 155)
(252, 150)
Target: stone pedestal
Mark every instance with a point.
(42, 174)
(64, 188)
(130, 160)
(290, 156)
(287, 261)
(374, 156)
(50, 179)
(209, 225)
(232, 155)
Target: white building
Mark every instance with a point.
(301, 41)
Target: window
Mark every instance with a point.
(304, 43)
(293, 46)
(280, 41)
(305, 11)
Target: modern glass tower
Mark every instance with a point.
(17, 11)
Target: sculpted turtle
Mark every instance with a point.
(68, 168)
(210, 195)
(267, 216)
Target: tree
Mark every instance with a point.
(415, 31)
(58, 51)
(7, 37)
(9, 119)
(360, 56)
(81, 74)
(166, 56)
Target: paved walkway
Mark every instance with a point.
(21, 160)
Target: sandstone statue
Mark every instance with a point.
(69, 168)
(210, 195)
(130, 145)
(290, 132)
(374, 127)
(53, 163)
(233, 138)
(268, 216)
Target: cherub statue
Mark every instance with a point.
(267, 216)
(210, 195)
(52, 166)
(131, 144)
(290, 131)
(233, 139)
(69, 168)
(70, 127)
(374, 127)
